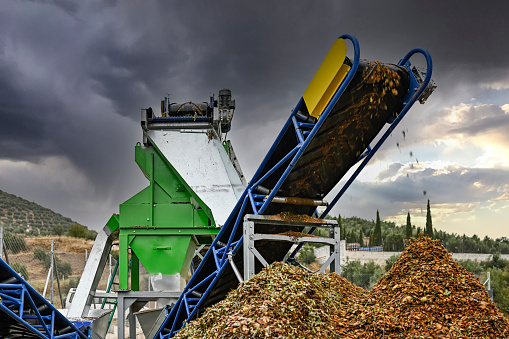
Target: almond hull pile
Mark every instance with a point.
(281, 301)
(424, 295)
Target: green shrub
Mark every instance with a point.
(58, 230)
(79, 231)
(34, 232)
(14, 243)
(114, 254)
(21, 270)
(43, 256)
(73, 282)
(363, 275)
(64, 268)
(389, 262)
(306, 254)
(91, 235)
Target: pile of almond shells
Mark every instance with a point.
(425, 294)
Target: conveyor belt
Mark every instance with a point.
(307, 160)
(24, 313)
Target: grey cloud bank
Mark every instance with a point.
(74, 75)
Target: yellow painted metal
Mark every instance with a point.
(327, 79)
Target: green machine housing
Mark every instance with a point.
(161, 225)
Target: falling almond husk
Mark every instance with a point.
(425, 294)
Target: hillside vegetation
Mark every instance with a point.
(17, 215)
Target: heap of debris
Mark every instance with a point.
(281, 301)
(425, 294)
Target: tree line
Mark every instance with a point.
(394, 237)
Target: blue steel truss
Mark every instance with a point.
(191, 299)
(24, 313)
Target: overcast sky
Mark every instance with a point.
(75, 74)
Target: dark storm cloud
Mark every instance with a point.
(72, 71)
(26, 116)
(267, 53)
(452, 184)
(191, 51)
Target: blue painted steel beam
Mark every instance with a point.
(25, 313)
(320, 121)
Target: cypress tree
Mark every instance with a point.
(361, 238)
(429, 224)
(408, 229)
(377, 232)
(350, 237)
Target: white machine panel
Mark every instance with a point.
(203, 163)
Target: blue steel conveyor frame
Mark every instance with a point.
(411, 97)
(201, 285)
(24, 313)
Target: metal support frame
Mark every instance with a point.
(250, 236)
(22, 304)
(96, 262)
(219, 253)
(134, 301)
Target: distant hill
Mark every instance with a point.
(18, 214)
